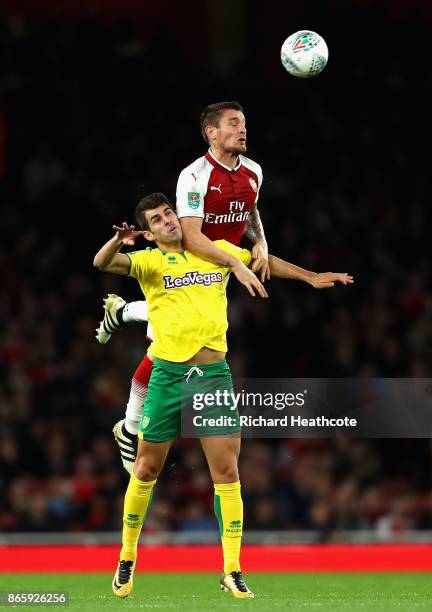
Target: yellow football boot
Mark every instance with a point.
(234, 582)
(122, 583)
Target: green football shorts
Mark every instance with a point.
(193, 400)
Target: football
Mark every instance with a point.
(304, 54)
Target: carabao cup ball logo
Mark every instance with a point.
(304, 54)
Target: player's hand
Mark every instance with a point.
(127, 233)
(249, 280)
(260, 260)
(329, 279)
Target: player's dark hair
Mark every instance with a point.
(149, 202)
(212, 114)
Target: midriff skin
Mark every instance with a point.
(204, 356)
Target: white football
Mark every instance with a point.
(304, 54)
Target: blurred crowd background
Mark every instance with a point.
(99, 106)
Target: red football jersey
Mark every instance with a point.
(223, 197)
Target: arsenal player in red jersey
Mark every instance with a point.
(216, 199)
(217, 194)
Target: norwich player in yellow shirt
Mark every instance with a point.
(188, 311)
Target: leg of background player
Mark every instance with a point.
(125, 431)
(118, 313)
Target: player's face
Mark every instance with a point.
(164, 225)
(230, 136)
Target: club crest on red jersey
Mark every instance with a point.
(253, 184)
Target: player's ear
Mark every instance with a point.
(148, 235)
(210, 132)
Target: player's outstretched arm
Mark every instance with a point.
(201, 246)
(108, 257)
(324, 280)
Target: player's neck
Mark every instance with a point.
(225, 157)
(170, 248)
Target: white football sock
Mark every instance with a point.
(135, 406)
(135, 312)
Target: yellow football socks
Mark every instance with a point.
(137, 500)
(228, 506)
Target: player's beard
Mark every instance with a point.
(238, 150)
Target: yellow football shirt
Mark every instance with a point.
(187, 304)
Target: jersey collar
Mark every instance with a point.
(183, 253)
(213, 160)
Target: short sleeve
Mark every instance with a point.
(189, 195)
(143, 263)
(243, 254)
(260, 180)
